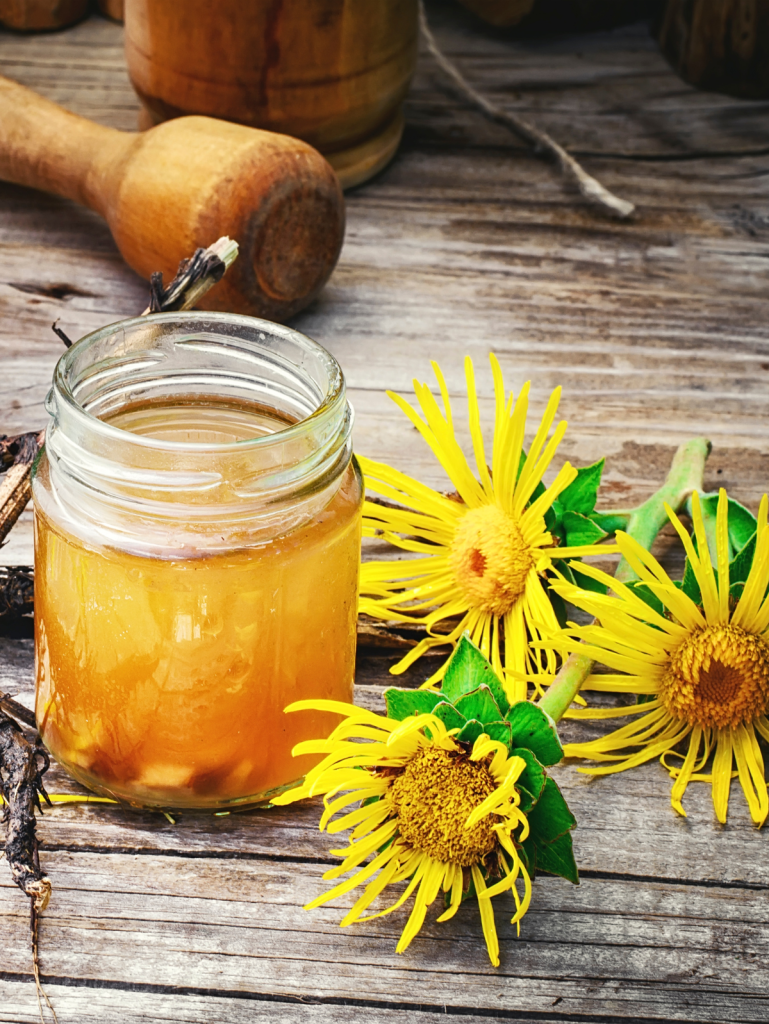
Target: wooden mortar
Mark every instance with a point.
(721, 45)
(112, 9)
(41, 15)
(183, 184)
(332, 72)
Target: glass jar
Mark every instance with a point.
(197, 543)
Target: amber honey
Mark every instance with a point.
(163, 669)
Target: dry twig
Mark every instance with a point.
(543, 144)
(22, 766)
(17, 711)
(21, 786)
(193, 278)
(17, 590)
(18, 453)
(34, 929)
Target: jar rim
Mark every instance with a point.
(334, 397)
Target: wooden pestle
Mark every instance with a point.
(183, 184)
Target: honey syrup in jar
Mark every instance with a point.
(197, 517)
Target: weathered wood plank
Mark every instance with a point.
(235, 926)
(18, 1005)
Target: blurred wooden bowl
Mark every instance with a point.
(331, 72)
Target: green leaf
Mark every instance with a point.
(648, 597)
(565, 569)
(558, 858)
(550, 817)
(559, 607)
(609, 521)
(449, 715)
(689, 584)
(403, 703)
(741, 564)
(581, 530)
(742, 522)
(580, 495)
(471, 731)
(553, 516)
(585, 581)
(479, 704)
(466, 670)
(528, 854)
(531, 781)
(535, 730)
(500, 732)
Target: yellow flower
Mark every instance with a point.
(483, 554)
(704, 668)
(428, 812)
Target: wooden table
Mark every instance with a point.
(657, 330)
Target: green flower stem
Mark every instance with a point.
(566, 685)
(685, 475)
(644, 523)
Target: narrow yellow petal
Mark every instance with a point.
(476, 434)
(455, 899)
(723, 555)
(565, 476)
(444, 392)
(529, 469)
(702, 563)
(722, 773)
(417, 916)
(749, 612)
(685, 772)
(374, 888)
(487, 917)
(750, 769)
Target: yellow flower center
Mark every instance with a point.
(718, 677)
(490, 559)
(433, 798)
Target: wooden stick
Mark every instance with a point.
(543, 144)
(16, 487)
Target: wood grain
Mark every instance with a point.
(333, 74)
(228, 927)
(656, 330)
